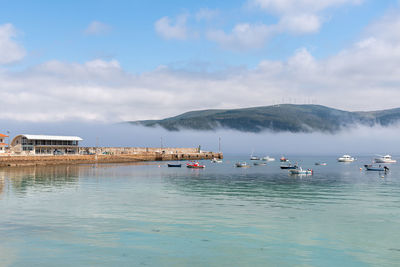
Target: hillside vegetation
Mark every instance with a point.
(277, 118)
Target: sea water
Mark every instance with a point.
(152, 215)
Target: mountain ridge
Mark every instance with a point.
(276, 118)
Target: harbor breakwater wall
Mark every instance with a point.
(108, 155)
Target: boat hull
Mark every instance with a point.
(175, 165)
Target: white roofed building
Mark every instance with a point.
(45, 144)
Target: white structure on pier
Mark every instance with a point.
(45, 144)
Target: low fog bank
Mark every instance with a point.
(361, 140)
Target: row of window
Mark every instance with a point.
(48, 142)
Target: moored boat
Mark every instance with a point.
(283, 159)
(242, 165)
(259, 163)
(215, 160)
(346, 158)
(289, 167)
(320, 163)
(174, 165)
(385, 159)
(376, 168)
(268, 158)
(301, 171)
(195, 165)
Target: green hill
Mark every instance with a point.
(277, 118)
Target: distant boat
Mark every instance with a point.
(376, 168)
(289, 167)
(346, 158)
(254, 158)
(267, 158)
(320, 163)
(215, 160)
(283, 159)
(259, 163)
(242, 165)
(195, 165)
(174, 165)
(385, 159)
(301, 171)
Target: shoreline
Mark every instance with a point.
(42, 160)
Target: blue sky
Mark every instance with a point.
(54, 30)
(117, 60)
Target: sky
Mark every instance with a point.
(110, 61)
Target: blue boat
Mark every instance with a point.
(174, 165)
(289, 167)
(376, 168)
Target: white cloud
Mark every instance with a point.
(300, 16)
(243, 36)
(364, 76)
(296, 6)
(300, 24)
(10, 51)
(206, 14)
(169, 30)
(97, 28)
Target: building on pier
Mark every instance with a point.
(29, 144)
(2, 143)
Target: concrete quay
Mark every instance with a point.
(34, 160)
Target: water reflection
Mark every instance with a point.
(21, 178)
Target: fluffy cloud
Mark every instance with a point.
(243, 36)
(10, 51)
(299, 16)
(169, 30)
(97, 28)
(364, 76)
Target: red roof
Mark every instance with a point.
(3, 135)
(3, 144)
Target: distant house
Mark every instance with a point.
(2, 143)
(45, 144)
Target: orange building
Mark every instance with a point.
(2, 143)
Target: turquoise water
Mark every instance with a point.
(151, 215)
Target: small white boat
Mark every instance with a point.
(268, 158)
(254, 158)
(385, 159)
(346, 158)
(242, 165)
(301, 171)
(215, 160)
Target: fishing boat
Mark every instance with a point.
(259, 163)
(195, 165)
(385, 159)
(254, 158)
(376, 168)
(289, 167)
(346, 158)
(215, 160)
(174, 165)
(268, 158)
(320, 163)
(301, 171)
(242, 165)
(283, 159)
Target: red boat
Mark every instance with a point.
(283, 159)
(195, 165)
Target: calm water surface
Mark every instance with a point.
(151, 215)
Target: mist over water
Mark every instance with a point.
(360, 140)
